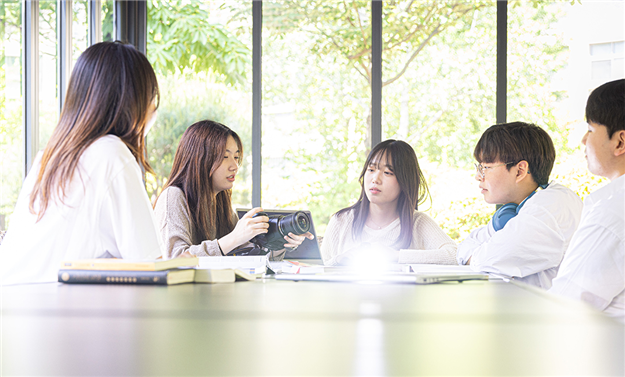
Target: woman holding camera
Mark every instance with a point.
(84, 196)
(384, 223)
(194, 210)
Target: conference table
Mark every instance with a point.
(287, 328)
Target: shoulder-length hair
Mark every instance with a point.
(200, 153)
(110, 92)
(413, 186)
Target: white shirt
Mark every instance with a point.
(429, 243)
(593, 267)
(532, 244)
(106, 213)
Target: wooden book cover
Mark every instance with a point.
(114, 264)
(165, 277)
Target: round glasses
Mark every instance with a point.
(481, 169)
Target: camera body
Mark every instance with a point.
(280, 226)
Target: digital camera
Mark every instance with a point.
(280, 226)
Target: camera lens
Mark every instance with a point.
(296, 223)
(279, 226)
(302, 221)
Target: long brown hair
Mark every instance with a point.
(110, 92)
(200, 153)
(414, 189)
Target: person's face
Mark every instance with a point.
(498, 184)
(223, 178)
(598, 149)
(380, 182)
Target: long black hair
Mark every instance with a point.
(414, 189)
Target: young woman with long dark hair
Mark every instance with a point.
(385, 219)
(194, 210)
(84, 195)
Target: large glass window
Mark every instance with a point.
(316, 104)
(48, 71)
(80, 28)
(107, 20)
(202, 53)
(558, 52)
(11, 135)
(439, 72)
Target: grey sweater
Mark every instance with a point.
(178, 232)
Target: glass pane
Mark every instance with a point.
(618, 68)
(619, 47)
(48, 72)
(11, 135)
(601, 70)
(206, 74)
(439, 72)
(552, 67)
(107, 20)
(601, 49)
(80, 28)
(316, 104)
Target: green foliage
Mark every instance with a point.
(190, 101)
(181, 39)
(459, 218)
(10, 110)
(107, 20)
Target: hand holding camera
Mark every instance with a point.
(248, 227)
(283, 231)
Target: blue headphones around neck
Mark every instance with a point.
(508, 211)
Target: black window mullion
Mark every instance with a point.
(502, 56)
(257, 24)
(95, 21)
(376, 72)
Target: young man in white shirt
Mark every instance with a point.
(593, 269)
(527, 237)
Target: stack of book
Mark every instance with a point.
(154, 272)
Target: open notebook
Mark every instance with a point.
(309, 249)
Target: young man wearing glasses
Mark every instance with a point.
(593, 269)
(528, 235)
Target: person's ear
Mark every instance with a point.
(522, 170)
(619, 138)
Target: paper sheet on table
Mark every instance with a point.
(442, 268)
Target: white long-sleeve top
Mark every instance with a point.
(106, 213)
(429, 243)
(532, 244)
(593, 269)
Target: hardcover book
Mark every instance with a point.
(164, 277)
(114, 264)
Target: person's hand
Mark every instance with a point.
(294, 241)
(387, 253)
(349, 258)
(247, 228)
(368, 255)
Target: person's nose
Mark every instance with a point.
(478, 176)
(375, 177)
(234, 166)
(585, 138)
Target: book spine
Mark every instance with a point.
(113, 277)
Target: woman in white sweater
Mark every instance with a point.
(194, 210)
(385, 222)
(84, 196)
